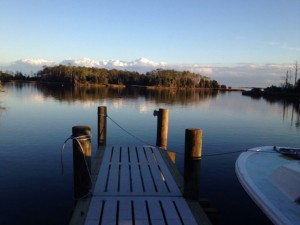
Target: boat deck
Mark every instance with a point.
(273, 182)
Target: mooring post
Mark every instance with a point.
(81, 160)
(102, 125)
(192, 160)
(162, 127)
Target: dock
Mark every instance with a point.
(136, 185)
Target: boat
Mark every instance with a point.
(271, 177)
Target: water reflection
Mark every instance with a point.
(32, 133)
(2, 108)
(167, 96)
(290, 107)
(90, 96)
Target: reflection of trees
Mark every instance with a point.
(2, 109)
(290, 105)
(168, 96)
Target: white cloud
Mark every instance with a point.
(251, 75)
(81, 62)
(238, 75)
(27, 66)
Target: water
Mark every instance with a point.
(37, 119)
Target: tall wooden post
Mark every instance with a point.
(102, 125)
(162, 128)
(192, 160)
(81, 160)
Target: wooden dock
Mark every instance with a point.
(136, 185)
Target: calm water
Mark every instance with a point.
(37, 119)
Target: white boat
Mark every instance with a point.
(271, 177)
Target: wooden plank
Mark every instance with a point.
(140, 211)
(125, 211)
(150, 155)
(104, 171)
(147, 179)
(110, 212)
(140, 187)
(124, 155)
(184, 211)
(170, 212)
(94, 213)
(143, 178)
(113, 179)
(169, 179)
(125, 179)
(158, 180)
(137, 182)
(133, 155)
(115, 157)
(141, 156)
(156, 215)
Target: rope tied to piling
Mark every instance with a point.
(78, 139)
(83, 138)
(128, 132)
(146, 144)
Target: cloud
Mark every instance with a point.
(237, 75)
(27, 66)
(251, 75)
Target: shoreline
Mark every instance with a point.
(259, 94)
(88, 85)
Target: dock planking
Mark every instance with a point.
(135, 185)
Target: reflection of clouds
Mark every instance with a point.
(36, 98)
(143, 108)
(206, 103)
(88, 104)
(117, 103)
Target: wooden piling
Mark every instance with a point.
(192, 156)
(162, 128)
(102, 125)
(81, 160)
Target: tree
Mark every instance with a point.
(287, 80)
(214, 84)
(296, 71)
(163, 78)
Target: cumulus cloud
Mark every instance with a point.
(251, 75)
(27, 66)
(238, 75)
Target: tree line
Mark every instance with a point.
(77, 75)
(290, 86)
(9, 76)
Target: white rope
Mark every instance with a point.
(78, 139)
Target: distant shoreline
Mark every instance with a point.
(128, 86)
(263, 93)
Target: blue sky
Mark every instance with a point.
(210, 33)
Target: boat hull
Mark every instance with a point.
(272, 180)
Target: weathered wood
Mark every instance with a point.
(162, 128)
(142, 210)
(144, 192)
(102, 115)
(192, 156)
(145, 174)
(82, 205)
(81, 160)
(198, 212)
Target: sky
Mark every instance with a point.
(232, 40)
